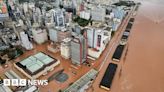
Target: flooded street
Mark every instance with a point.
(142, 70)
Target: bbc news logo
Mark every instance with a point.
(23, 82)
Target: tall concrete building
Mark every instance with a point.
(59, 18)
(78, 50)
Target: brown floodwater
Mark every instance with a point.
(143, 66)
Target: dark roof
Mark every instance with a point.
(127, 30)
(129, 26)
(131, 20)
(108, 76)
(124, 37)
(118, 52)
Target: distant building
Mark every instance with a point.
(59, 18)
(85, 15)
(39, 35)
(65, 48)
(62, 34)
(53, 34)
(98, 14)
(25, 41)
(3, 11)
(77, 29)
(98, 38)
(68, 17)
